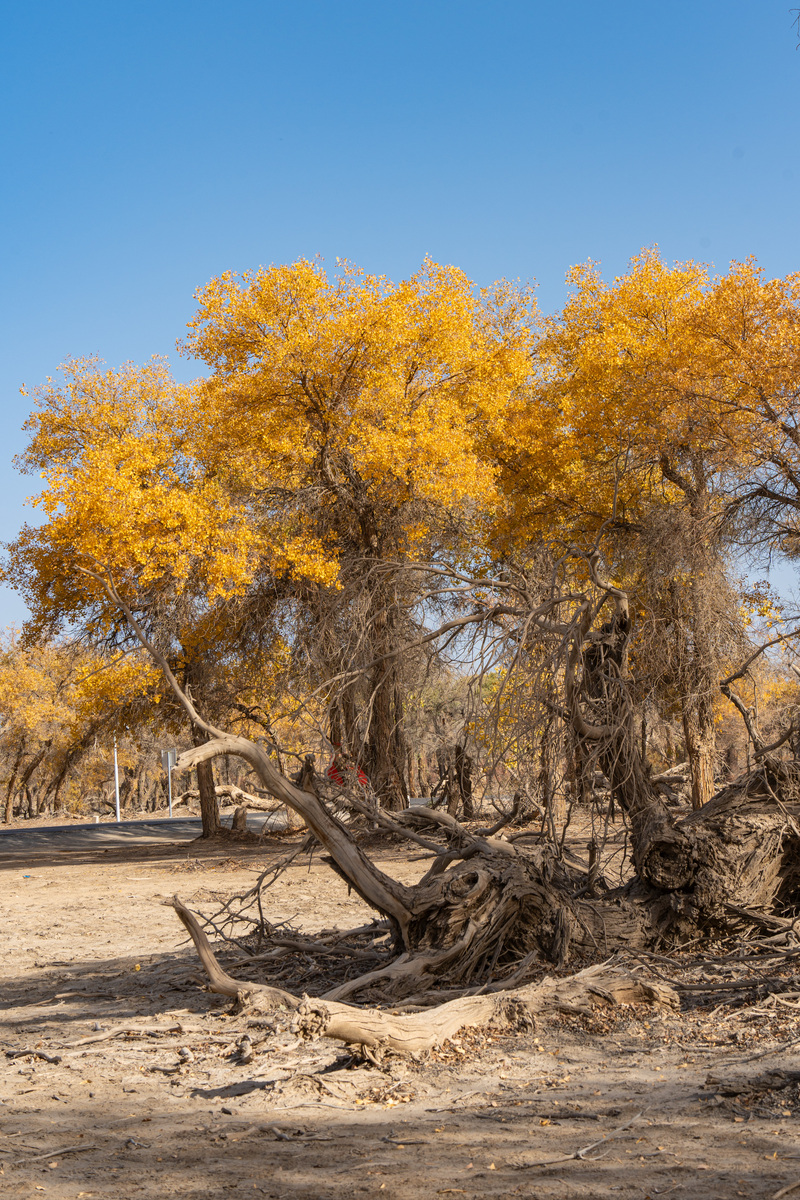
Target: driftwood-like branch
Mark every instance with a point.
(378, 889)
(486, 845)
(229, 791)
(417, 1032)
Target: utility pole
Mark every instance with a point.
(116, 778)
(168, 760)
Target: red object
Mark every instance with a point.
(334, 773)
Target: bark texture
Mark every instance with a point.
(209, 808)
(407, 1033)
(485, 909)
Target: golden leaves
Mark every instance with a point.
(355, 377)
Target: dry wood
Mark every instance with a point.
(16, 1162)
(28, 1053)
(229, 791)
(582, 1153)
(408, 1033)
(784, 1191)
(127, 1031)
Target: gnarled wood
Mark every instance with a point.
(485, 907)
(376, 888)
(408, 1033)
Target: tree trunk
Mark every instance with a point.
(423, 776)
(412, 776)
(10, 792)
(415, 1033)
(385, 752)
(209, 809)
(463, 766)
(698, 728)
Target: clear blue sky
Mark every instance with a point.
(146, 147)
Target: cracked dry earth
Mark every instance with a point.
(145, 1095)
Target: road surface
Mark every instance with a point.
(110, 835)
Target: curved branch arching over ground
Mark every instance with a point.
(493, 906)
(410, 1033)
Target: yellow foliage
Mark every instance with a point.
(57, 701)
(375, 395)
(337, 409)
(664, 372)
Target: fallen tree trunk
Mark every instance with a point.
(484, 907)
(492, 906)
(408, 1033)
(235, 795)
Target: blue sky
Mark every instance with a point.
(149, 146)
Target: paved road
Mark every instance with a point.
(110, 835)
(126, 833)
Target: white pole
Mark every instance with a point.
(116, 778)
(169, 781)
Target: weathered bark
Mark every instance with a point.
(746, 851)
(661, 851)
(408, 1033)
(376, 888)
(209, 809)
(698, 661)
(485, 907)
(700, 735)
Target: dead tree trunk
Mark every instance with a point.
(699, 732)
(413, 1033)
(485, 907)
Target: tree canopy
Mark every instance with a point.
(364, 461)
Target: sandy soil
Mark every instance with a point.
(98, 976)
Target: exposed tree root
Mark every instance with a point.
(484, 907)
(417, 1032)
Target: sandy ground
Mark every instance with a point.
(97, 974)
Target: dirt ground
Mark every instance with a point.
(122, 1079)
